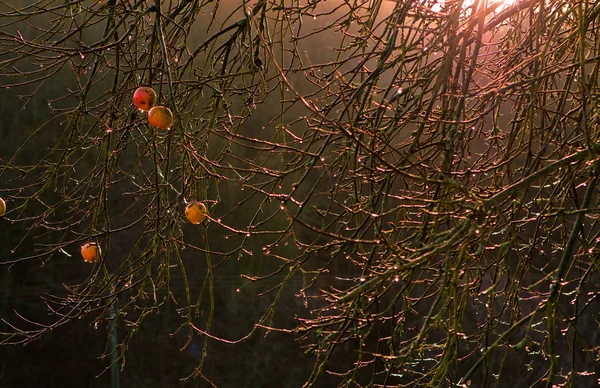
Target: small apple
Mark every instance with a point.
(196, 212)
(160, 117)
(144, 98)
(2, 207)
(90, 252)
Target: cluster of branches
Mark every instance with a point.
(428, 170)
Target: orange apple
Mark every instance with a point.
(2, 207)
(160, 117)
(196, 212)
(144, 98)
(90, 252)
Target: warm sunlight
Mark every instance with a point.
(497, 6)
(503, 4)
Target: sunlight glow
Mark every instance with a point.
(497, 5)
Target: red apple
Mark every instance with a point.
(144, 98)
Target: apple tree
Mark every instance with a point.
(418, 178)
